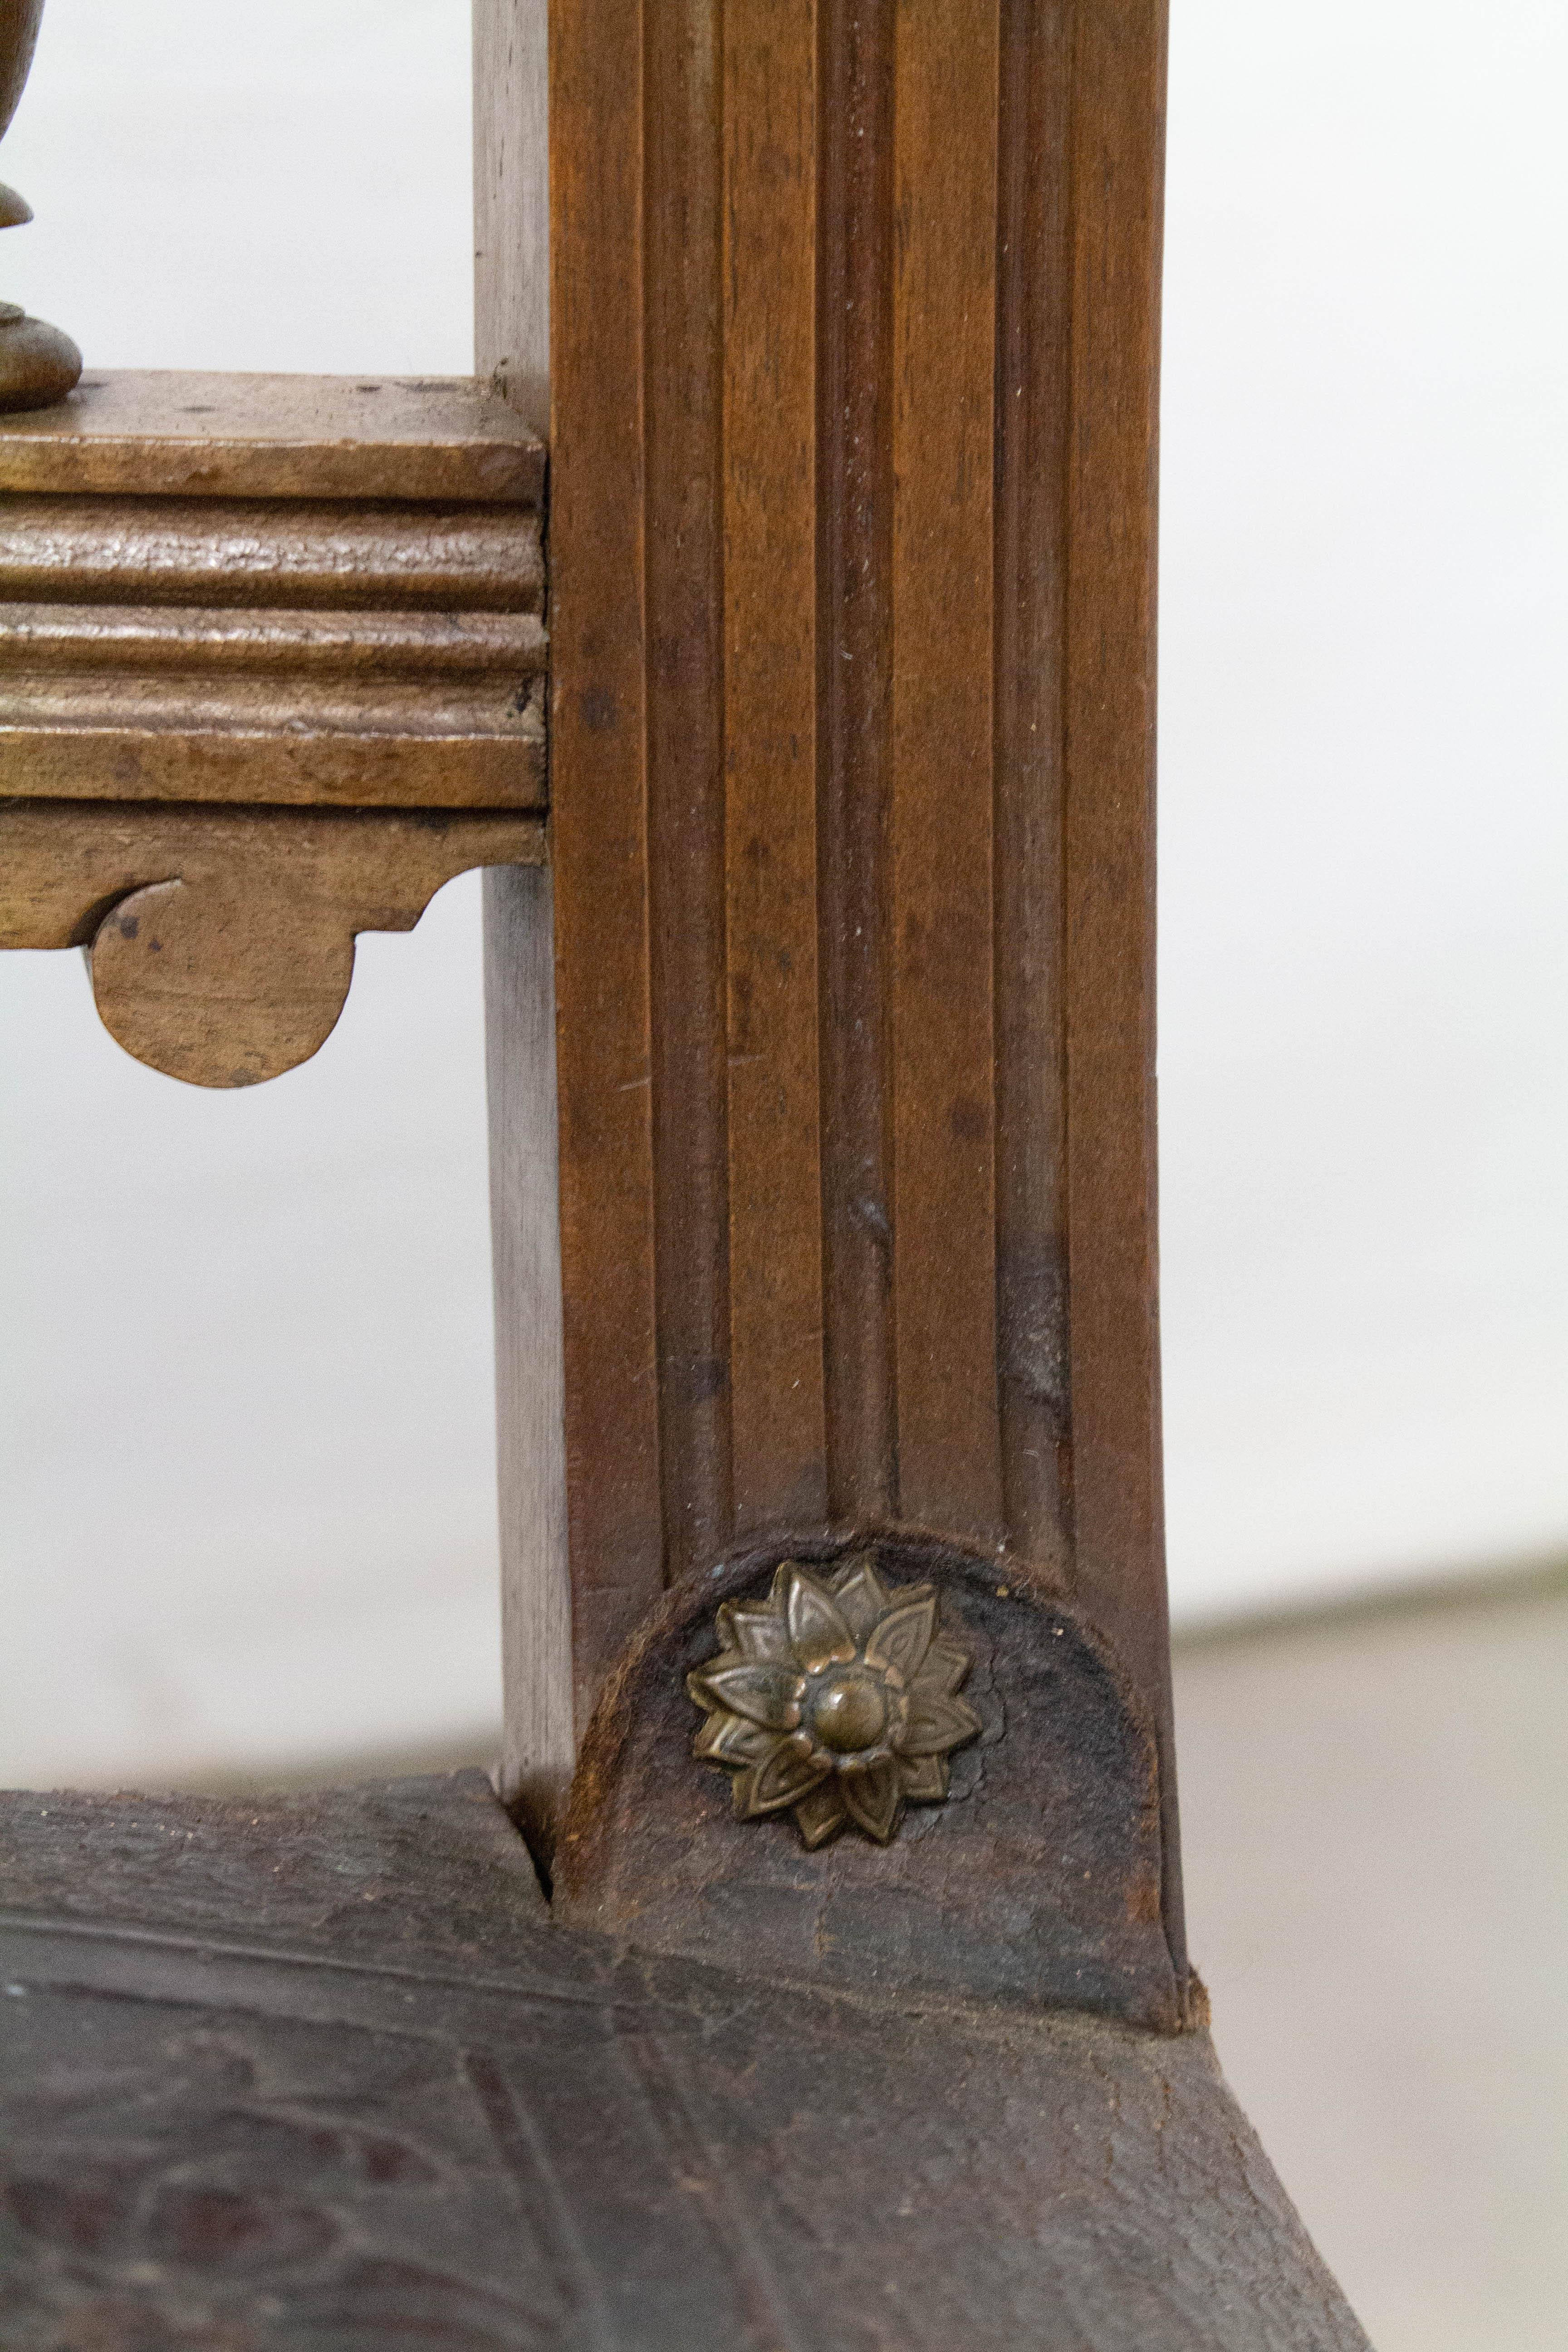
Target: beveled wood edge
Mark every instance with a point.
(177, 433)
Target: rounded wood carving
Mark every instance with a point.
(19, 21)
(1035, 1883)
(221, 942)
(220, 986)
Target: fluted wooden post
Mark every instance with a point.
(853, 382)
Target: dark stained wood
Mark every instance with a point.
(1036, 1885)
(1117, 165)
(389, 1870)
(855, 318)
(600, 831)
(853, 376)
(778, 1459)
(854, 637)
(321, 2076)
(855, 368)
(1034, 349)
(942, 1041)
(683, 589)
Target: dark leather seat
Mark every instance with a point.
(324, 2074)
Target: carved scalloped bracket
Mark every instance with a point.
(272, 668)
(221, 942)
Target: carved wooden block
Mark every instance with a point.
(221, 942)
(225, 598)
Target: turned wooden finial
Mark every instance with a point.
(38, 365)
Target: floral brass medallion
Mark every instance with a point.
(835, 1699)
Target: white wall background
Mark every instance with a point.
(245, 1456)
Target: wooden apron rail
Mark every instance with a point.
(272, 660)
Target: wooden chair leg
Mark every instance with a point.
(853, 352)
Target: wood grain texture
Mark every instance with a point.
(290, 554)
(852, 544)
(778, 1461)
(599, 828)
(270, 597)
(1034, 420)
(221, 942)
(189, 702)
(154, 433)
(943, 983)
(442, 1873)
(1109, 709)
(539, 1744)
(273, 589)
(853, 490)
(511, 204)
(683, 588)
(512, 306)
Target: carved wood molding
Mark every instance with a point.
(854, 359)
(231, 604)
(221, 942)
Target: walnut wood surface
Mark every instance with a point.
(441, 708)
(511, 322)
(511, 204)
(539, 1746)
(240, 603)
(852, 546)
(321, 2076)
(154, 433)
(221, 942)
(291, 555)
(272, 589)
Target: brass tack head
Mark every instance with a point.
(836, 1699)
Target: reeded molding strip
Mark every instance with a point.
(272, 663)
(854, 348)
(190, 703)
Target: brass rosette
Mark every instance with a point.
(836, 1699)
